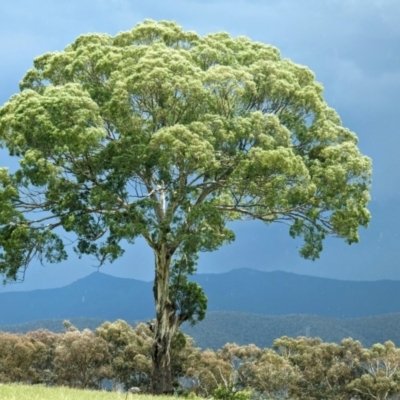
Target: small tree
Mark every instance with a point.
(322, 370)
(164, 134)
(17, 356)
(271, 375)
(208, 372)
(81, 359)
(381, 377)
(130, 351)
(43, 363)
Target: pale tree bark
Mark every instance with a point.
(165, 326)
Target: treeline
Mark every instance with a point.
(220, 327)
(301, 368)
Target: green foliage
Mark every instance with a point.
(17, 354)
(205, 130)
(81, 359)
(324, 369)
(221, 327)
(230, 393)
(188, 297)
(130, 351)
(297, 368)
(381, 377)
(167, 135)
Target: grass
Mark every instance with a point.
(38, 392)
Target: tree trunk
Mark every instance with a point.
(165, 325)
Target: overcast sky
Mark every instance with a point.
(353, 47)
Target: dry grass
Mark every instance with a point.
(26, 392)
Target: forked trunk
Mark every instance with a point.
(165, 326)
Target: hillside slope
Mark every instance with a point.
(243, 290)
(222, 327)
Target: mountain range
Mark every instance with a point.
(242, 290)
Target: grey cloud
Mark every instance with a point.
(352, 46)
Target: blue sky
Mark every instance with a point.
(352, 46)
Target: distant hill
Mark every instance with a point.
(243, 290)
(223, 327)
(54, 325)
(219, 328)
(282, 293)
(96, 296)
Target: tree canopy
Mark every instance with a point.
(161, 133)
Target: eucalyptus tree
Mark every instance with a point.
(313, 369)
(380, 378)
(164, 134)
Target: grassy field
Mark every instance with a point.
(24, 392)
